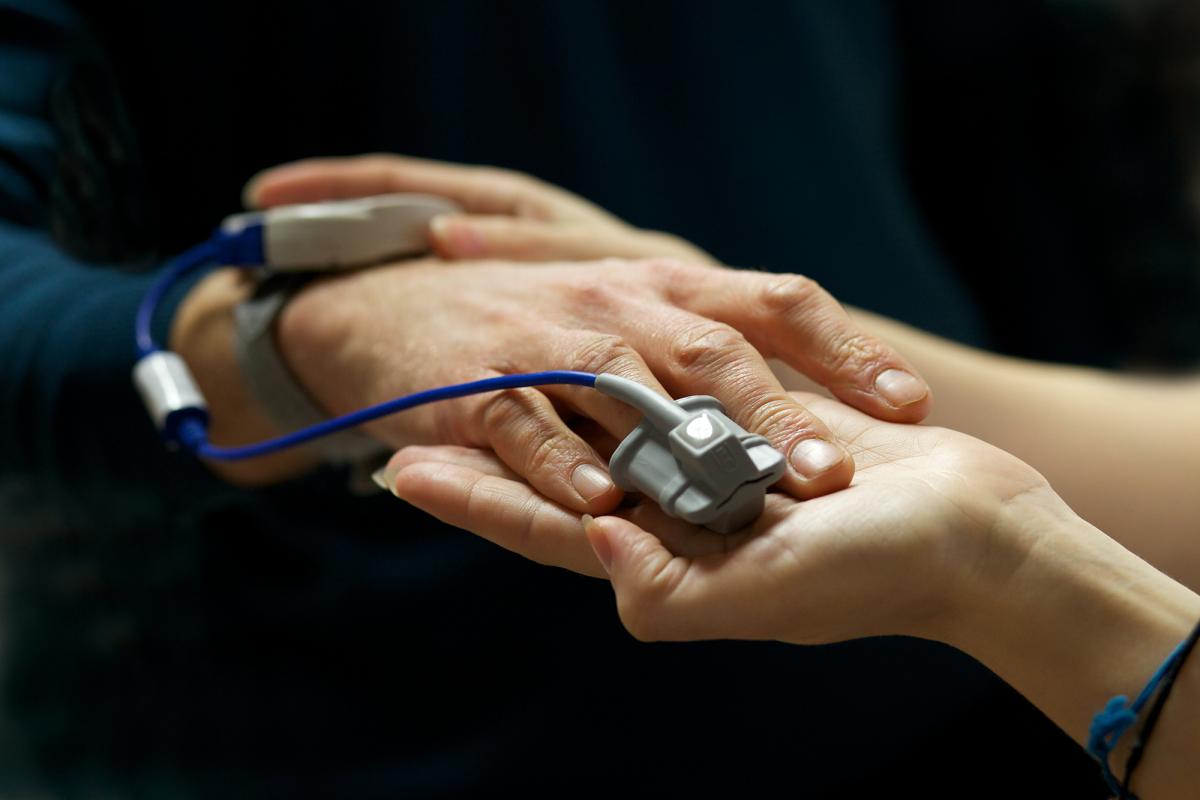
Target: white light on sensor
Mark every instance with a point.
(700, 429)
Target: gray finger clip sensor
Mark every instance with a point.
(693, 460)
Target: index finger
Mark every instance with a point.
(480, 190)
(791, 317)
(691, 354)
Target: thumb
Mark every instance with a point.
(646, 577)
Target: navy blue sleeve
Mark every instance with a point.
(67, 408)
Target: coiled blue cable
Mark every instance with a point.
(202, 255)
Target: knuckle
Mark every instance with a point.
(788, 295)
(706, 346)
(680, 281)
(549, 453)
(781, 420)
(605, 352)
(665, 272)
(853, 352)
(594, 294)
(503, 409)
(516, 415)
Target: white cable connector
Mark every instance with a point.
(169, 391)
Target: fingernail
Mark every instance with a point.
(585, 520)
(812, 457)
(385, 478)
(440, 226)
(900, 388)
(591, 482)
(457, 236)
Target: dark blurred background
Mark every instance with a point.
(1014, 174)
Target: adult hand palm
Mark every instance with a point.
(885, 556)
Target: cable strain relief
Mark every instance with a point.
(186, 428)
(663, 413)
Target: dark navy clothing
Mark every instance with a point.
(170, 635)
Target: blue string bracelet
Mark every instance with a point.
(1118, 715)
(1164, 692)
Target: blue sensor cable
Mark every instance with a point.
(193, 433)
(201, 255)
(188, 424)
(719, 482)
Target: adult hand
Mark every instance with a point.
(515, 216)
(889, 555)
(358, 338)
(507, 215)
(941, 536)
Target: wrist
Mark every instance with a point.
(1070, 618)
(315, 332)
(203, 335)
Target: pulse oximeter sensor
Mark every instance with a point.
(687, 455)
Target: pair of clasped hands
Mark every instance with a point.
(880, 525)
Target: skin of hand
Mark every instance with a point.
(880, 557)
(940, 536)
(686, 327)
(359, 338)
(1140, 434)
(1119, 602)
(1044, 413)
(202, 334)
